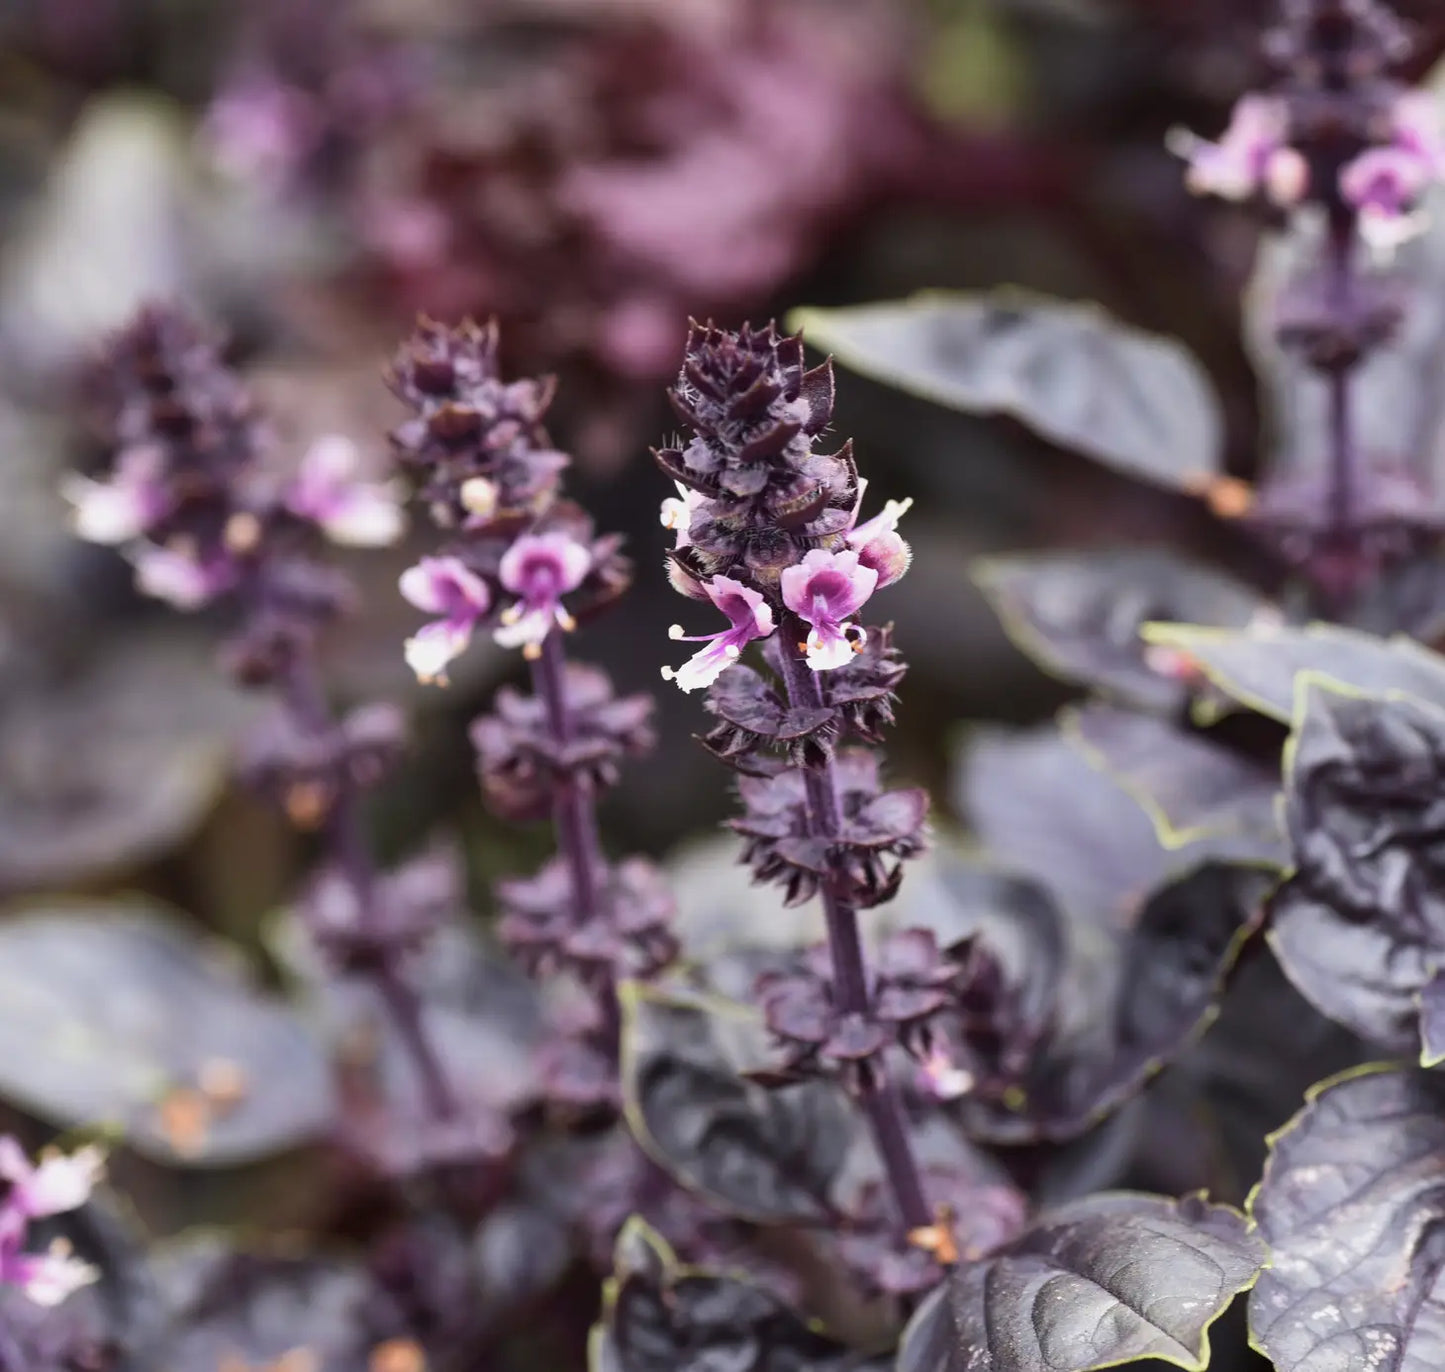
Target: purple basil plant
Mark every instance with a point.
(907, 1104)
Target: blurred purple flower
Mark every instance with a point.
(443, 586)
(60, 1182)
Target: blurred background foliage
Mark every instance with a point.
(308, 174)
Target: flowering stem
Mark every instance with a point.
(303, 695)
(574, 813)
(1341, 261)
(880, 1098)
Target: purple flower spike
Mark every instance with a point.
(539, 569)
(127, 506)
(443, 586)
(58, 1184)
(357, 514)
(825, 589)
(751, 617)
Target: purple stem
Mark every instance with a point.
(574, 814)
(344, 832)
(880, 1098)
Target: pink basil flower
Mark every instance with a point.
(1252, 157)
(359, 514)
(180, 578)
(126, 506)
(750, 617)
(57, 1184)
(539, 569)
(443, 586)
(825, 589)
(878, 544)
(678, 510)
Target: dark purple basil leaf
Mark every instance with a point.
(1351, 1206)
(772, 1156)
(1078, 615)
(661, 1317)
(253, 1308)
(115, 769)
(120, 1014)
(1136, 402)
(1127, 1007)
(1258, 667)
(1360, 925)
(1242, 1095)
(1104, 1281)
(1044, 811)
(1191, 786)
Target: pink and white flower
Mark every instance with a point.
(1386, 184)
(539, 569)
(354, 513)
(179, 577)
(878, 544)
(443, 586)
(58, 1184)
(124, 508)
(678, 512)
(750, 617)
(1252, 157)
(824, 589)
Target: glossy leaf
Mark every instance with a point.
(1135, 402)
(1258, 666)
(1352, 1206)
(662, 1317)
(1360, 925)
(768, 1155)
(118, 1014)
(1078, 615)
(1191, 786)
(1104, 1281)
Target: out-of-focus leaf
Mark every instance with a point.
(767, 1155)
(662, 1317)
(1044, 811)
(117, 1013)
(1352, 1207)
(114, 769)
(1258, 666)
(1101, 1282)
(1133, 401)
(1078, 614)
(1191, 787)
(1360, 925)
(231, 1307)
